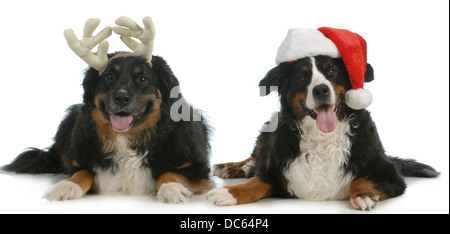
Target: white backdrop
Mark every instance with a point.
(219, 50)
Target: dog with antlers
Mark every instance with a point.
(122, 139)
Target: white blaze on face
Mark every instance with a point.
(318, 79)
(326, 119)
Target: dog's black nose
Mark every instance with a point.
(321, 91)
(122, 98)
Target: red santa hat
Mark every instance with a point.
(336, 43)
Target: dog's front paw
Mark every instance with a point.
(221, 197)
(364, 201)
(173, 193)
(64, 190)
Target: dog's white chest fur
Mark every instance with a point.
(317, 173)
(129, 178)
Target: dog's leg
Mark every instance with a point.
(243, 169)
(255, 189)
(76, 186)
(364, 195)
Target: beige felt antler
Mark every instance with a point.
(130, 29)
(84, 47)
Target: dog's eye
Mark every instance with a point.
(109, 77)
(331, 71)
(142, 79)
(303, 77)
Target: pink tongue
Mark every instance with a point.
(121, 122)
(326, 118)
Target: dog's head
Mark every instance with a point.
(127, 96)
(314, 87)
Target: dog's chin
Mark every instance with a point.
(121, 131)
(326, 116)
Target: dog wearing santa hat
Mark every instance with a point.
(325, 145)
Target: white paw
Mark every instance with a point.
(173, 193)
(364, 202)
(221, 197)
(64, 190)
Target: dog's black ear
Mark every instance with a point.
(272, 79)
(90, 82)
(368, 77)
(167, 80)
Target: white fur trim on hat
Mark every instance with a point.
(302, 42)
(358, 98)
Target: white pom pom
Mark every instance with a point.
(358, 99)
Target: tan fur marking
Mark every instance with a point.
(297, 108)
(139, 134)
(196, 187)
(153, 118)
(137, 70)
(116, 67)
(84, 179)
(339, 90)
(106, 133)
(75, 163)
(255, 189)
(184, 165)
(363, 186)
(305, 68)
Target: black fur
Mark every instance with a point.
(166, 145)
(274, 151)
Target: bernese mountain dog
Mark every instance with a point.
(122, 139)
(321, 149)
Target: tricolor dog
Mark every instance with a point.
(326, 146)
(122, 139)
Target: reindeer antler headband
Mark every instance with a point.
(128, 30)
